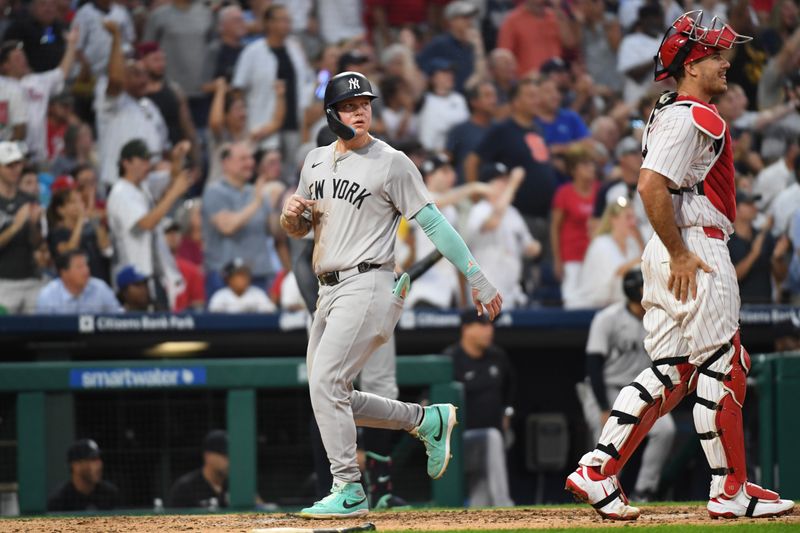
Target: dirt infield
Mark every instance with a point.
(537, 518)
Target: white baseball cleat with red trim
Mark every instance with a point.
(751, 501)
(601, 492)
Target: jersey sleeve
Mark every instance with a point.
(598, 335)
(671, 145)
(302, 185)
(405, 187)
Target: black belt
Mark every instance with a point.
(335, 277)
(697, 189)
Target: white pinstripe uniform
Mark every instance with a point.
(689, 144)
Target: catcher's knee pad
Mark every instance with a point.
(654, 392)
(721, 388)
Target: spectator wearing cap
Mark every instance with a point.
(72, 227)
(14, 121)
(41, 33)
(498, 235)
(95, 42)
(183, 28)
(239, 296)
(636, 52)
(75, 291)
(20, 235)
(613, 251)
(628, 155)
(193, 298)
(123, 112)
(535, 32)
(224, 50)
(786, 203)
(37, 89)
(486, 372)
(133, 291)
(237, 219)
(756, 255)
(461, 45)
(207, 486)
(135, 216)
(465, 137)
(442, 107)
(228, 123)
(600, 35)
(168, 96)
(275, 57)
(86, 489)
(562, 128)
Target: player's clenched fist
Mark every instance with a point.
(295, 206)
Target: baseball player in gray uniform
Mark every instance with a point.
(352, 194)
(615, 355)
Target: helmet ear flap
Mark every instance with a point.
(337, 126)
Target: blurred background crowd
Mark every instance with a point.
(147, 146)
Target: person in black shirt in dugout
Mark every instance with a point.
(485, 371)
(86, 490)
(206, 487)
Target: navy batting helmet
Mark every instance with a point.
(341, 87)
(632, 284)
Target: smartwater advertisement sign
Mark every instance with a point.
(137, 378)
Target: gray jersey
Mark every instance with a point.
(618, 335)
(359, 199)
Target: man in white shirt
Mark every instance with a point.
(95, 42)
(786, 204)
(774, 179)
(135, 218)
(261, 63)
(636, 51)
(37, 89)
(239, 296)
(13, 110)
(123, 111)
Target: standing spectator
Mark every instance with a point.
(600, 35)
(20, 235)
(569, 221)
(236, 221)
(340, 20)
(37, 89)
(75, 291)
(191, 245)
(498, 236)
(182, 28)
(223, 52)
(71, 227)
(275, 57)
(465, 137)
(135, 218)
(786, 203)
(168, 97)
(13, 107)
(79, 151)
(41, 34)
(133, 290)
(123, 112)
(772, 84)
(487, 375)
(636, 52)
(228, 122)
(461, 45)
(95, 42)
(777, 177)
(517, 142)
(193, 297)
(535, 32)
(562, 128)
(613, 251)
(442, 107)
(206, 487)
(399, 112)
(503, 73)
(756, 256)
(239, 296)
(86, 489)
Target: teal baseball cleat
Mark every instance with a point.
(437, 426)
(344, 501)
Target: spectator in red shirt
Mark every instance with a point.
(535, 33)
(193, 298)
(191, 222)
(569, 221)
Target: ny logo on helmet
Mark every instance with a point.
(354, 84)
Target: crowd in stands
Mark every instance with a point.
(146, 148)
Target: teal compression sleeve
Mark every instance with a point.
(449, 242)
